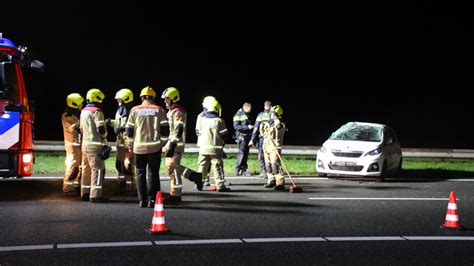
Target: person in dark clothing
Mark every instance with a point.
(243, 132)
(257, 138)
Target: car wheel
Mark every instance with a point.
(383, 174)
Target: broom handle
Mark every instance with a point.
(267, 135)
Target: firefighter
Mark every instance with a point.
(174, 148)
(94, 138)
(243, 131)
(273, 132)
(212, 130)
(145, 127)
(72, 143)
(257, 138)
(125, 161)
(206, 101)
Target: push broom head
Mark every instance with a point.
(295, 189)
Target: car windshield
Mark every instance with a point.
(357, 132)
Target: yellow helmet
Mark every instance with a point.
(95, 95)
(126, 95)
(214, 106)
(278, 110)
(208, 100)
(171, 93)
(74, 100)
(148, 91)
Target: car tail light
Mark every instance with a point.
(25, 164)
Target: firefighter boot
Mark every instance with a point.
(197, 179)
(270, 184)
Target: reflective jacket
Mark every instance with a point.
(212, 131)
(94, 133)
(274, 129)
(241, 124)
(71, 126)
(263, 116)
(144, 127)
(120, 121)
(198, 125)
(177, 122)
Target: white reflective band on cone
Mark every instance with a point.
(159, 207)
(452, 206)
(158, 220)
(452, 218)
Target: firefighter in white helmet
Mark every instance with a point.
(206, 101)
(72, 143)
(146, 127)
(125, 161)
(94, 138)
(273, 132)
(174, 148)
(212, 130)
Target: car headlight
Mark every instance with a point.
(322, 149)
(374, 152)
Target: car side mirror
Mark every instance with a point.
(37, 65)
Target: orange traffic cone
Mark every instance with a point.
(158, 222)
(452, 219)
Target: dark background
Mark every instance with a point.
(408, 66)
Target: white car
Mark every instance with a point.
(360, 149)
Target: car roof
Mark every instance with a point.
(368, 124)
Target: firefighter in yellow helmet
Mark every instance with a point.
(72, 143)
(212, 130)
(273, 132)
(174, 148)
(145, 127)
(94, 138)
(125, 161)
(206, 101)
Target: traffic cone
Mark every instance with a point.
(452, 219)
(158, 222)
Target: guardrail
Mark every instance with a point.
(47, 145)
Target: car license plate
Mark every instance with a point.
(341, 163)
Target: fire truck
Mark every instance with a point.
(16, 116)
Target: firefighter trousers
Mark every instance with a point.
(72, 175)
(216, 160)
(273, 166)
(176, 173)
(125, 165)
(93, 174)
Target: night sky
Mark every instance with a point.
(409, 66)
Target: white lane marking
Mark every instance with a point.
(442, 238)
(365, 238)
(256, 178)
(198, 242)
(238, 241)
(20, 248)
(379, 199)
(289, 239)
(106, 244)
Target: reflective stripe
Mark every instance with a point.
(86, 186)
(179, 122)
(97, 187)
(164, 122)
(211, 146)
(164, 138)
(222, 131)
(72, 144)
(452, 218)
(159, 207)
(452, 206)
(93, 142)
(180, 144)
(158, 220)
(71, 182)
(148, 143)
(130, 124)
(129, 182)
(98, 176)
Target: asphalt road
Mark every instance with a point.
(333, 221)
